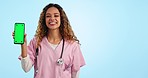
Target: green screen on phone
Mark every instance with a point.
(19, 30)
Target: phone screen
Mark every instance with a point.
(19, 30)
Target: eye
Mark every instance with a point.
(56, 15)
(48, 16)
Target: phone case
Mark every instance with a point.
(19, 30)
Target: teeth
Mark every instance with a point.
(52, 23)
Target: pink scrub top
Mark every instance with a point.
(47, 57)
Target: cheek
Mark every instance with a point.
(46, 21)
(59, 21)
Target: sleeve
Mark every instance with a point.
(77, 75)
(78, 60)
(31, 48)
(26, 63)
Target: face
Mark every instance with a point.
(52, 18)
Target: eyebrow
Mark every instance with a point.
(50, 13)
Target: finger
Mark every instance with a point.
(25, 35)
(12, 33)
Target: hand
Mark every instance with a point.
(25, 39)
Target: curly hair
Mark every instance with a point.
(65, 27)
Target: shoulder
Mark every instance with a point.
(34, 39)
(73, 43)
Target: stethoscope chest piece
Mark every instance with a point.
(60, 61)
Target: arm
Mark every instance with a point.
(24, 47)
(25, 60)
(78, 61)
(75, 74)
(26, 63)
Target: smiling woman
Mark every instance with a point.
(55, 50)
(113, 36)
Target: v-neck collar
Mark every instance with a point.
(58, 48)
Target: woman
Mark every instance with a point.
(54, 51)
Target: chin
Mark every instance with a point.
(54, 28)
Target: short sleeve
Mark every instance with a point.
(78, 59)
(31, 48)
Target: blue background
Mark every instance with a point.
(113, 34)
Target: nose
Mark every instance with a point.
(51, 18)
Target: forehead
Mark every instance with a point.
(52, 10)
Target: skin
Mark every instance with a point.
(52, 19)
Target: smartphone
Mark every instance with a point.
(19, 30)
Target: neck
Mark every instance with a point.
(54, 36)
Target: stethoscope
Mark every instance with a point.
(60, 61)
